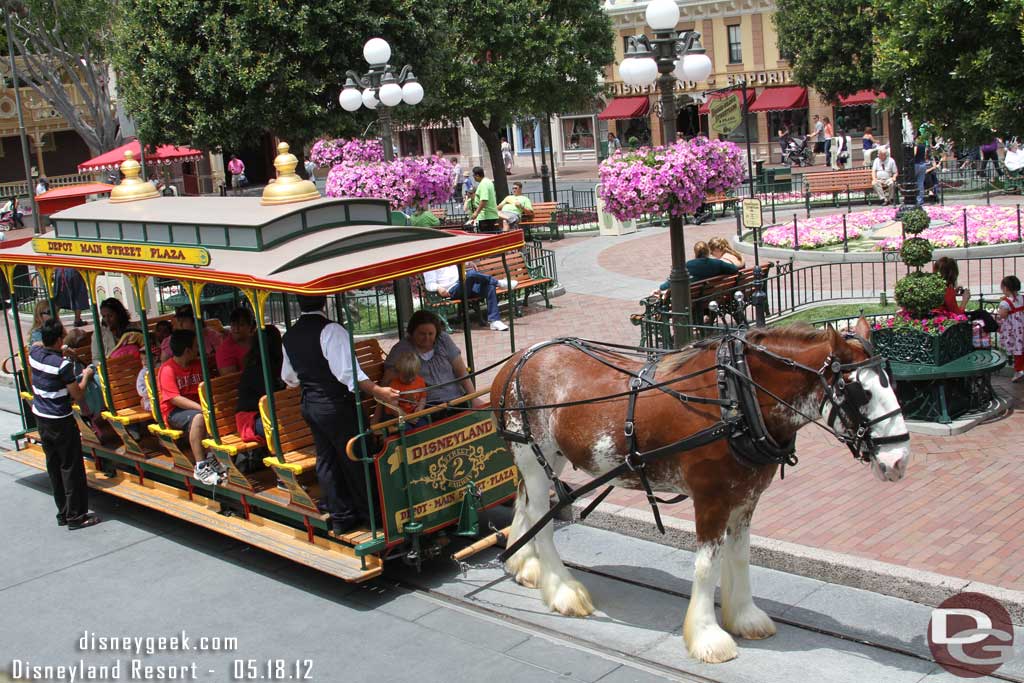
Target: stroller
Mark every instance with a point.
(797, 153)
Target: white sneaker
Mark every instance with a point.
(1017, 376)
(499, 326)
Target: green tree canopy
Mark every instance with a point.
(218, 72)
(958, 64)
(500, 61)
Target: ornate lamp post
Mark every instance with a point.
(675, 56)
(380, 86)
(381, 89)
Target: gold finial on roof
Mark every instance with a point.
(132, 187)
(288, 187)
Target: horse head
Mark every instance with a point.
(863, 407)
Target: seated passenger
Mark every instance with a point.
(251, 387)
(116, 321)
(441, 363)
(234, 347)
(185, 320)
(39, 316)
(445, 281)
(720, 249)
(407, 378)
(140, 379)
(162, 330)
(178, 381)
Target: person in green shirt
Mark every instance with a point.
(514, 206)
(487, 208)
(423, 218)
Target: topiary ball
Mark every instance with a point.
(920, 293)
(915, 221)
(916, 252)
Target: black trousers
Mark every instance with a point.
(342, 482)
(62, 443)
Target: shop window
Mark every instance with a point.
(410, 143)
(793, 119)
(578, 133)
(854, 119)
(445, 139)
(738, 134)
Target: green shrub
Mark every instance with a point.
(919, 293)
(916, 252)
(915, 221)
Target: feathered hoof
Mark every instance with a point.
(528, 572)
(569, 598)
(712, 645)
(751, 624)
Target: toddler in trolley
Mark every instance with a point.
(408, 379)
(1011, 323)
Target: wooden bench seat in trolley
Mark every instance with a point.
(298, 452)
(126, 409)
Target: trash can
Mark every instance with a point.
(778, 180)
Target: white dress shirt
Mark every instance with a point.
(336, 346)
(1014, 161)
(442, 277)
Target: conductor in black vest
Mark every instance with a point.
(318, 358)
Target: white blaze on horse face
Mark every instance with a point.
(892, 460)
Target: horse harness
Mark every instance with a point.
(741, 423)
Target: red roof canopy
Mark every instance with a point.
(778, 99)
(626, 108)
(60, 198)
(705, 108)
(163, 154)
(861, 97)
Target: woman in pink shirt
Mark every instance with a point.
(235, 346)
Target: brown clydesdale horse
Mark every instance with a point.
(724, 491)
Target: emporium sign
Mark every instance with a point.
(753, 79)
(156, 253)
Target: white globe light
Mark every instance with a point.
(377, 51)
(626, 70)
(678, 71)
(662, 15)
(696, 67)
(390, 94)
(350, 99)
(645, 71)
(369, 99)
(412, 93)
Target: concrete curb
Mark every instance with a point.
(923, 587)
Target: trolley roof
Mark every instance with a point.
(312, 247)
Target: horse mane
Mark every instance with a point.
(786, 340)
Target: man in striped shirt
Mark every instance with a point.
(53, 388)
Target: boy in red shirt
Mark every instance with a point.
(178, 381)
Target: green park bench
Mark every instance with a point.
(939, 393)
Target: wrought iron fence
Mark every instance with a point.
(790, 289)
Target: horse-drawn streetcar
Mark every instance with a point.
(429, 482)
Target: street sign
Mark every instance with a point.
(726, 114)
(752, 213)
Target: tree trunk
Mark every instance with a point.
(490, 134)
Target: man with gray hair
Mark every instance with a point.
(883, 176)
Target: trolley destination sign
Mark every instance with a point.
(156, 253)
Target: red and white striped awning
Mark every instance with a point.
(160, 155)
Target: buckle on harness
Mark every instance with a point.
(628, 428)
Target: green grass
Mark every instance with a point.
(836, 311)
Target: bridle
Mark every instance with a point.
(848, 398)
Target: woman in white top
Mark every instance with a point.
(506, 156)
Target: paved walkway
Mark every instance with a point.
(958, 512)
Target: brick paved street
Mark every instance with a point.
(958, 512)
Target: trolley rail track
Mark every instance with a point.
(608, 651)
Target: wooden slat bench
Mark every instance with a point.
(527, 281)
(713, 200)
(126, 409)
(229, 444)
(171, 439)
(545, 215)
(298, 452)
(837, 182)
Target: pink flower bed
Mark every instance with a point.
(673, 179)
(985, 225)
